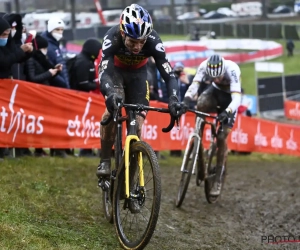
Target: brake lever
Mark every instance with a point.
(116, 112)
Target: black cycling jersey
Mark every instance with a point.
(115, 54)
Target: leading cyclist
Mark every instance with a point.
(123, 72)
(225, 92)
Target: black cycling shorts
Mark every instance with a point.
(134, 84)
(215, 101)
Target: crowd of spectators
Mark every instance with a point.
(41, 59)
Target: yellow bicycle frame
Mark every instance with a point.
(130, 138)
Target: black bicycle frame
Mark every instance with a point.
(131, 130)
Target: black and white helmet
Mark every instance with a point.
(215, 66)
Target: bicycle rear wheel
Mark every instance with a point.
(211, 175)
(136, 217)
(187, 171)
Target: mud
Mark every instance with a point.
(260, 199)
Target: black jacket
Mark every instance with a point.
(83, 73)
(37, 69)
(18, 69)
(8, 57)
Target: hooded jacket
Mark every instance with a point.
(18, 69)
(83, 75)
(9, 54)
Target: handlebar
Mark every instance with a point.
(202, 113)
(141, 107)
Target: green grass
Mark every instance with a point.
(54, 204)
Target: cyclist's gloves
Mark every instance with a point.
(176, 108)
(112, 101)
(186, 103)
(223, 117)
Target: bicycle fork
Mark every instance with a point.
(130, 138)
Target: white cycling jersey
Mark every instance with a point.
(231, 83)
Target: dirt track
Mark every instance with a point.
(259, 199)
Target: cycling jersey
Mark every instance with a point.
(231, 83)
(115, 54)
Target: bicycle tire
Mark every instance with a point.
(200, 174)
(186, 175)
(120, 227)
(211, 172)
(107, 203)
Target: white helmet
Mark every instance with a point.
(215, 66)
(136, 22)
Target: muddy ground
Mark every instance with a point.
(259, 199)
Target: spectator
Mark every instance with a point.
(290, 46)
(183, 83)
(39, 70)
(162, 88)
(195, 36)
(83, 74)
(53, 35)
(152, 79)
(213, 35)
(9, 55)
(18, 69)
(182, 79)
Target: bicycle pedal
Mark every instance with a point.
(185, 171)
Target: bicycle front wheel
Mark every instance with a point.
(135, 217)
(107, 201)
(187, 171)
(211, 175)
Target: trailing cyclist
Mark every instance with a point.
(123, 72)
(225, 92)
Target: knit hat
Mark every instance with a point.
(40, 42)
(4, 25)
(54, 23)
(92, 46)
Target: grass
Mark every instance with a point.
(54, 204)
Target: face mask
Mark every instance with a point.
(44, 51)
(57, 36)
(13, 32)
(3, 41)
(24, 36)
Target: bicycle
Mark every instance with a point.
(139, 198)
(206, 164)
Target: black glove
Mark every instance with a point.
(186, 103)
(223, 117)
(112, 101)
(176, 108)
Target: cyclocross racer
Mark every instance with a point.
(123, 72)
(225, 92)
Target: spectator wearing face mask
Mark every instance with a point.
(39, 70)
(53, 35)
(9, 55)
(18, 69)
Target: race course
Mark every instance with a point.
(53, 203)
